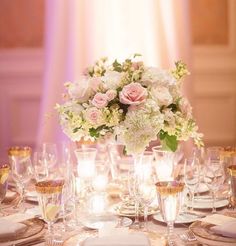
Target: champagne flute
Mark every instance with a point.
(40, 166)
(169, 198)
(191, 177)
(4, 173)
(21, 167)
(214, 174)
(50, 202)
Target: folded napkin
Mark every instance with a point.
(10, 229)
(132, 239)
(227, 229)
(218, 219)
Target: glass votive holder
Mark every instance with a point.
(97, 203)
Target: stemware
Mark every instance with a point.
(191, 177)
(169, 198)
(50, 201)
(51, 153)
(146, 194)
(40, 166)
(4, 173)
(164, 163)
(214, 174)
(21, 167)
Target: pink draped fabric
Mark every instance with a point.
(80, 31)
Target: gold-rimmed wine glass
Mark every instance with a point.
(169, 199)
(50, 200)
(4, 173)
(21, 169)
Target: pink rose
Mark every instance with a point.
(133, 94)
(111, 94)
(100, 100)
(93, 116)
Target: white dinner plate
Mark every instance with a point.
(123, 210)
(205, 235)
(97, 222)
(183, 218)
(205, 202)
(31, 196)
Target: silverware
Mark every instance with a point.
(188, 236)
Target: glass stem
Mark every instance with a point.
(191, 193)
(50, 230)
(145, 217)
(136, 221)
(170, 229)
(213, 202)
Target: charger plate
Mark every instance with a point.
(184, 218)
(205, 235)
(205, 202)
(33, 227)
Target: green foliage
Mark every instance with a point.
(117, 66)
(168, 142)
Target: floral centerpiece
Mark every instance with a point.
(131, 102)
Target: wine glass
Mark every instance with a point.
(146, 194)
(51, 154)
(191, 177)
(214, 174)
(21, 168)
(40, 166)
(50, 202)
(4, 173)
(169, 198)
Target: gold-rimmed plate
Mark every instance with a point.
(205, 235)
(123, 210)
(33, 227)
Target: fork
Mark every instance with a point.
(188, 236)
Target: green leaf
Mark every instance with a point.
(173, 107)
(136, 54)
(76, 129)
(168, 142)
(94, 132)
(117, 66)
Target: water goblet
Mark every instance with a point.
(50, 200)
(21, 168)
(4, 173)
(169, 199)
(191, 177)
(214, 174)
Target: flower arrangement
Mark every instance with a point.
(131, 102)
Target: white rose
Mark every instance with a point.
(112, 79)
(158, 76)
(83, 89)
(162, 95)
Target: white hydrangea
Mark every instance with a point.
(112, 79)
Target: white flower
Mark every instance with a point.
(83, 89)
(112, 79)
(162, 95)
(155, 75)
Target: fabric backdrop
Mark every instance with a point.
(78, 32)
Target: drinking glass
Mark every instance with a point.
(50, 202)
(100, 179)
(40, 166)
(4, 173)
(164, 163)
(214, 174)
(169, 198)
(146, 194)
(232, 174)
(21, 168)
(50, 152)
(86, 162)
(191, 177)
